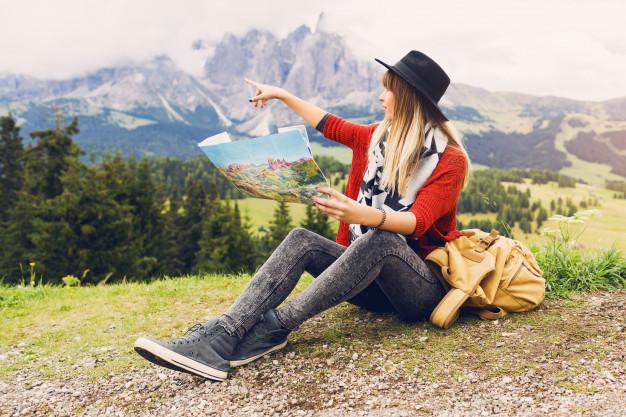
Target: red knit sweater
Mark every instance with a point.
(435, 203)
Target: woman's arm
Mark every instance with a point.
(333, 127)
(347, 210)
(308, 111)
(434, 199)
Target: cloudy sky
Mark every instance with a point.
(569, 48)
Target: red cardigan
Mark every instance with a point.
(435, 203)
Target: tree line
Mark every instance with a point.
(62, 214)
(122, 218)
(487, 193)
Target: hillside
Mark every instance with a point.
(68, 351)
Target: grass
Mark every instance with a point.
(569, 270)
(341, 153)
(261, 211)
(64, 331)
(67, 325)
(604, 231)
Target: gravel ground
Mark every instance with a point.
(574, 366)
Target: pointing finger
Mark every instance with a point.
(253, 83)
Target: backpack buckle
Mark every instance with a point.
(486, 241)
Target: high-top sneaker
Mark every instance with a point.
(266, 336)
(202, 351)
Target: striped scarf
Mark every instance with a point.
(370, 194)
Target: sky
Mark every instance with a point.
(567, 48)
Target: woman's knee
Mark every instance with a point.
(381, 238)
(299, 234)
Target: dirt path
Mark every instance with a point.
(567, 359)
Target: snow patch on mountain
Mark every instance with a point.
(218, 110)
(171, 112)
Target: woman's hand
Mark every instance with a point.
(343, 208)
(265, 92)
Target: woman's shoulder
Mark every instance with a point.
(453, 160)
(453, 153)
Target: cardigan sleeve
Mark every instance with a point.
(322, 123)
(347, 133)
(438, 196)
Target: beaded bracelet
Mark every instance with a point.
(383, 220)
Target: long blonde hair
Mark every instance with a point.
(405, 138)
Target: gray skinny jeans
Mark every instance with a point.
(378, 272)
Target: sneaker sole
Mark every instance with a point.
(253, 358)
(178, 360)
(158, 361)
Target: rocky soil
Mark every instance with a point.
(567, 359)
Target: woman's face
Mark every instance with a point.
(387, 101)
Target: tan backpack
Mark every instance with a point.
(486, 274)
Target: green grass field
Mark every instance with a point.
(61, 332)
(53, 326)
(341, 153)
(608, 229)
(602, 232)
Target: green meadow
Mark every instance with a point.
(603, 231)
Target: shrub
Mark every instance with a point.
(566, 269)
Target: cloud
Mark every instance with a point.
(567, 48)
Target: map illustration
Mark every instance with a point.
(277, 167)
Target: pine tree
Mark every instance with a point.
(226, 244)
(309, 221)
(542, 216)
(96, 230)
(148, 201)
(280, 226)
(318, 222)
(190, 223)
(50, 158)
(11, 164)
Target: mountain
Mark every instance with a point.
(154, 107)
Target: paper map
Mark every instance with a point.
(277, 167)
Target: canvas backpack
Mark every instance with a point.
(485, 274)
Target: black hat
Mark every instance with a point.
(424, 74)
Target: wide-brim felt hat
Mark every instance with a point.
(424, 74)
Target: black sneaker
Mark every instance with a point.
(267, 336)
(158, 361)
(201, 351)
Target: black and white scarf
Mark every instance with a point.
(370, 194)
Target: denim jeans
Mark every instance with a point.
(378, 272)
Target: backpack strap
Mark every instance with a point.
(449, 308)
(486, 241)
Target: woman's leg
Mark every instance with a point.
(372, 298)
(377, 256)
(301, 250)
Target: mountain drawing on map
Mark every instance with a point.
(277, 167)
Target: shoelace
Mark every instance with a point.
(194, 331)
(189, 335)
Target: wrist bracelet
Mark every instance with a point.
(383, 219)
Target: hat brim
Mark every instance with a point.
(417, 87)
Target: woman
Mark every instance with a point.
(400, 203)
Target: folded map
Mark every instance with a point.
(277, 167)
